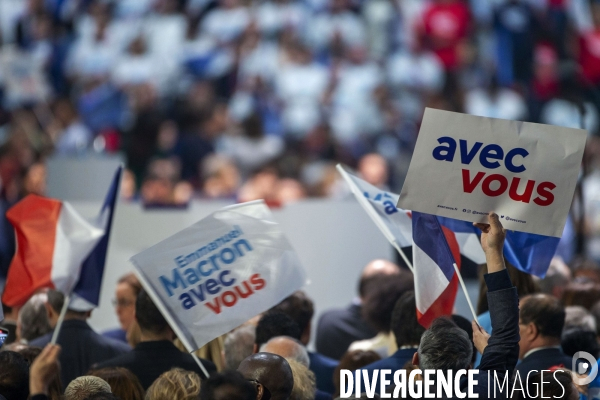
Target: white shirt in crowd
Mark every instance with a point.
(505, 104)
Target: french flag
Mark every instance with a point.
(59, 249)
(435, 250)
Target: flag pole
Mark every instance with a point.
(61, 319)
(404, 258)
(464, 288)
(172, 323)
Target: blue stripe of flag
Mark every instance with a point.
(429, 237)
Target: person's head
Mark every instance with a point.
(372, 270)
(274, 324)
(176, 384)
(238, 345)
(584, 294)
(579, 317)
(541, 321)
(466, 326)
(578, 339)
(288, 348)
(405, 326)
(153, 325)
(301, 309)
(83, 387)
(128, 287)
(33, 319)
(381, 294)
(305, 384)
(557, 278)
(228, 385)
(14, 376)
(444, 346)
(524, 283)
(123, 383)
(374, 169)
(55, 388)
(55, 304)
(270, 373)
(353, 360)
(553, 384)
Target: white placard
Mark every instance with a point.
(464, 166)
(218, 273)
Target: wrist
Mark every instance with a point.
(37, 388)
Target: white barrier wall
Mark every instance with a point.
(334, 239)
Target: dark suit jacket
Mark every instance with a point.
(337, 329)
(81, 348)
(150, 359)
(543, 359)
(323, 367)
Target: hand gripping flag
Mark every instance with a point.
(434, 255)
(52, 242)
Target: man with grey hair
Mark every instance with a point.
(85, 386)
(238, 345)
(578, 317)
(446, 347)
(33, 320)
(288, 348)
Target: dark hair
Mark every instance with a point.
(445, 346)
(56, 300)
(577, 339)
(55, 388)
(274, 324)
(299, 307)
(381, 294)
(14, 376)
(523, 282)
(103, 396)
(228, 385)
(148, 316)
(405, 326)
(545, 312)
(353, 360)
(583, 294)
(132, 281)
(466, 326)
(123, 383)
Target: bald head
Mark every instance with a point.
(288, 348)
(373, 269)
(272, 372)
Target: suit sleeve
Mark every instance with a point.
(502, 351)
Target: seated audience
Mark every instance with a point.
(128, 287)
(176, 384)
(338, 328)
(85, 386)
(352, 361)
(81, 346)
(238, 345)
(228, 385)
(156, 353)
(123, 383)
(14, 376)
(32, 321)
(301, 309)
(406, 330)
(270, 373)
(447, 347)
(381, 294)
(541, 321)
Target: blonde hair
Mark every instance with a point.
(83, 387)
(304, 381)
(176, 384)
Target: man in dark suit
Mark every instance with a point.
(156, 352)
(299, 307)
(338, 328)
(541, 321)
(81, 346)
(407, 330)
(444, 346)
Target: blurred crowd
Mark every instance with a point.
(251, 99)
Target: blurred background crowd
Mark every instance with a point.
(248, 99)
